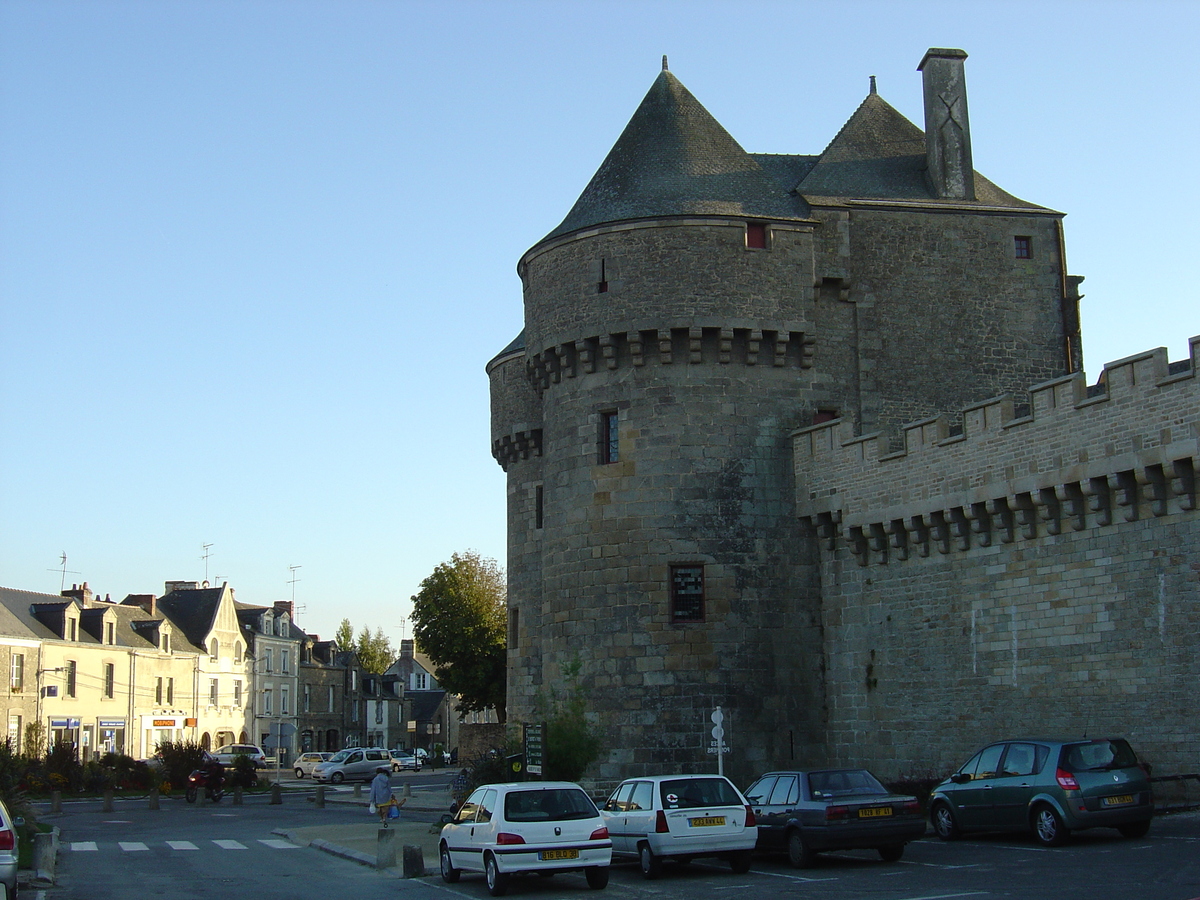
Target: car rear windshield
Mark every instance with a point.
(551, 805)
(690, 793)
(837, 784)
(1097, 756)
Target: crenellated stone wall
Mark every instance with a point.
(1031, 574)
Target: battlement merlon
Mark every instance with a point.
(1143, 411)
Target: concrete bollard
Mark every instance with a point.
(55, 801)
(407, 791)
(237, 795)
(108, 800)
(320, 796)
(414, 861)
(45, 855)
(358, 792)
(153, 798)
(276, 795)
(385, 849)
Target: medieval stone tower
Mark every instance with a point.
(696, 306)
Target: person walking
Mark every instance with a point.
(381, 794)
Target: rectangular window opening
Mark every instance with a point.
(687, 593)
(602, 287)
(610, 447)
(756, 236)
(538, 497)
(1023, 247)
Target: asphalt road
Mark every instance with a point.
(221, 851)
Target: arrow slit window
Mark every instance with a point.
(687, 593)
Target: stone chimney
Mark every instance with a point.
(947, 129)
(285, 606)
(148, 602)
(406, 648)
(80, 592)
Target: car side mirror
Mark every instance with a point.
(960, 777)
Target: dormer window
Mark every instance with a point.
(110, 633)
(72, 629)
(166, 642)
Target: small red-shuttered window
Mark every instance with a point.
(756, 236)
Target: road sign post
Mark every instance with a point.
(718, 745)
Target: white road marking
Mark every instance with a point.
(276, 844)
(182, 845)
(132, 846)
(83, 845)
(231, 845)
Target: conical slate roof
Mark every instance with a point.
(675, 159)
(879, 154)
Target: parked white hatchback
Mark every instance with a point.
(533, 826)
(680, 817)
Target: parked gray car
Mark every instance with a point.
(1049, 787)
(8, 851)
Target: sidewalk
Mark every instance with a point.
(359, 841)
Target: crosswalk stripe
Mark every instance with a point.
(132, 845)
(276, 844)
(83, 845)
(136, 846)
(182, 845)
(231, 845)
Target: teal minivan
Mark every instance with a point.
(1049, 787)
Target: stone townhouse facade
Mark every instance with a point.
(678, 525)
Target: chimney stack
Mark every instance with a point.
(947, 129)
(148, 602)
(80, 592)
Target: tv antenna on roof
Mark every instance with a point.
(63, 562)
(205, 557)
(292, 582)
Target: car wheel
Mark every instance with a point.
(449, 873)
(299, 773)
(597, 877)
(651, 864)
(891, 853)
(1048, 827)
(740, 861)
(497, 881)
(1134, 829)
(943, 822)
(337, 778)
(800, 855)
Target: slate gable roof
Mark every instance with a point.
(193, 612)
(675, 159)
(18, 619)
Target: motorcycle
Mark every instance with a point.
(213, 786)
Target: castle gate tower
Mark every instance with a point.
(696, 306)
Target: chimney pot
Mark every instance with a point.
(947, 127)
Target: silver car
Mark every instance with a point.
(359, 763)
(8, 851)
(306, 762)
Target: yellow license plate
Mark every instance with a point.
(560, 854)
(1119, 800)
(874, 812)
(707, 820)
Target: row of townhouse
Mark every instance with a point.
(195, 664)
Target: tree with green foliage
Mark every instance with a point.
(375, 651)
(344, 637)
(459, 622)
(571, 744)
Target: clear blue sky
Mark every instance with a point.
(254, 256)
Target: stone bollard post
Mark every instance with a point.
(237, 795)
(55, 801)
(153, 798)
(108, 800)
(385, 849)
(320, 796)
(45, 855)
(276, 795)
(414, 861)
(358, 792)
(407, 791)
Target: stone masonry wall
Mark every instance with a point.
(1033, 575)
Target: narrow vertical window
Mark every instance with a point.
(756, 236)
(158, 692)
(170, 691)
(72, 669)
(16, 673)
(538, 497)
(109, 680)
(602, 287)
(237, 694)
(687, 593)
(110, 633)
(1023, 247)
(610, 447)
(213, 692)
